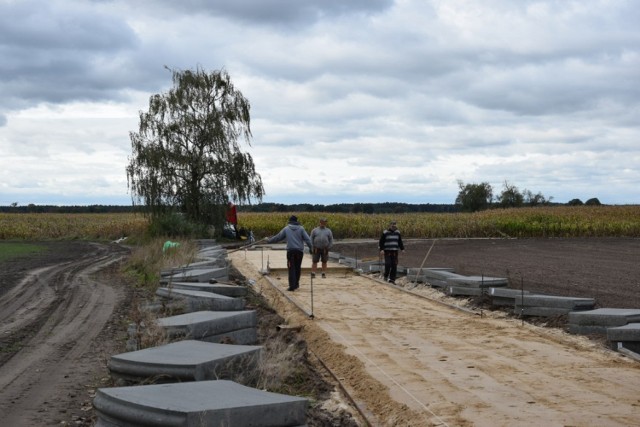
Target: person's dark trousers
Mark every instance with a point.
(294, 265)
(391, 264)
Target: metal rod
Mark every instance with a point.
(246, 246)
(311, 315)
(425, 259)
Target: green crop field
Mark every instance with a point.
(556, 221)
(46, 226)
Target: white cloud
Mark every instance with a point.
(351, 101)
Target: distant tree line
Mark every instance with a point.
(32, 208)
(472, 197)
(368, 208)
(477, 197)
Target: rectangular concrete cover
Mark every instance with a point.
(204, 403)
(201, 300)
(605, 317)
(227, 290)
(201, 324)
(187, 360)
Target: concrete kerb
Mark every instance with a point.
(228, 290)
(198, 275)
(552, 301)
(202, 324)
(192, 301)
(190, 404)
(187, 360)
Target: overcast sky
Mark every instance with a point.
(351, 101)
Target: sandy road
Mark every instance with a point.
(54, 316)
(427, 364)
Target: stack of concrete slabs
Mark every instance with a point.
(213, 326)
(435, 276)
(597, 321)
(504, 297)
(478, 281)
(233, 291)
(197, 404)
(187, 360)
(550, 305)
(201, 300)
(199, 275)
(628, 336)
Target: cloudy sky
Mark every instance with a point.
(351, 100)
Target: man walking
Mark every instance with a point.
(322, 240)
(296, 237)
(390, 245)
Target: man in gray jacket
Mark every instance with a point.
(296, 237)
(322, 239)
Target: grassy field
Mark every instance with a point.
(558, 221)
(17, 249)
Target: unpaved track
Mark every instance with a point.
(54, 316)
(447, 367)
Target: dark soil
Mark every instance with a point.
(607, 269)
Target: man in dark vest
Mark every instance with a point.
(390, 245)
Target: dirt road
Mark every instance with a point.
(55, 333)
(412, 361)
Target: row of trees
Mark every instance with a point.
(477, 197)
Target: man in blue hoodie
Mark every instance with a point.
(296, 237)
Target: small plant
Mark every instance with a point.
(147, 261)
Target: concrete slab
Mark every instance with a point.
(202, 403)
(540, 311)
(187, 360)
(228, 290)
(198, 275)
(201, 300)
(504, 297)
(629, 332)
(569, 303)
(201, 324)
(478, 281)
(608, 317)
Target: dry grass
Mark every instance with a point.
(149, 260)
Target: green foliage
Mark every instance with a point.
(593, 202)
(10, 250)
(510, 197)
(474, 197)
(186, 155)
(174, 224)
(575, 202)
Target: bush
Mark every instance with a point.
(176, 225)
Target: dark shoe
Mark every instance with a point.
(313, 275)
(386, 279)
(393, 282)
(324, 276)
(291, 289)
